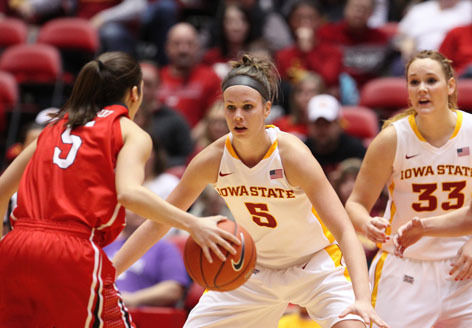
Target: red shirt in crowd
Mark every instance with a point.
(324, 59)
(457, 46)
(191, 96)
(89, 8)
(364, 51)
(286, 124)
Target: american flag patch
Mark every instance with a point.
(276, 174)
(464, 151)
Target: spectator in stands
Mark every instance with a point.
(158, 278)
(326, 139)
(156, 21)
(364, 49)
(308, 53)
(234, 32)
(268, 23)
(163, 123)
(425, 24)
(457, 46)
(116, 20)
(187, 85)
(343, 179)
(307, 86)
(212, 127)
(156, 178)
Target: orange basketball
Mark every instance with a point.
(219, 275)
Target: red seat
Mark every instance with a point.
(37, 70)
(464, 90)
(8, 101)
(8, 90)
(12, 31)
(32, 63)
(151, 317)
(361, 122)
(77, 40)
(385, 93)
(70, 33)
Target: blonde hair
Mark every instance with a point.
(448, 73)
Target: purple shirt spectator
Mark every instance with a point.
(162, 262)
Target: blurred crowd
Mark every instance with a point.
(325, 52)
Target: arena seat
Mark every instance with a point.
(8, 103)
(385, 95)
(464, 98)
(151, 317)
(385, 92)
(12, 31)
(37, 70)
(77, 40)
(361, 122)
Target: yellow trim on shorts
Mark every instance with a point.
(378, 274)
(326, 232)
(335, 253)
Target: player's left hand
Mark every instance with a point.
(366, 312)
(462, 263)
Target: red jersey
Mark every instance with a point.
(71, 176)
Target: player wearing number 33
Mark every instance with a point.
(272, 185)
(78, 175)
(423, 157)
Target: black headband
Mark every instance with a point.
(101, 66)
(247, 81)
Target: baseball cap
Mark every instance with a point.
(323, 106)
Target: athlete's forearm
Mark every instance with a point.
(145, 203)
(138, 244)
(452, 224)
(359, 216)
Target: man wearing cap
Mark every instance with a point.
(326, 138)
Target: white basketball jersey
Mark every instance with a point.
(428, 181)
(279, 217)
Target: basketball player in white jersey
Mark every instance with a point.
(422, 156)
(272, 185)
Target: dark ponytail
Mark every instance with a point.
(101, 82)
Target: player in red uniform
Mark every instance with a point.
(84, 168)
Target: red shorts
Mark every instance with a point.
(52, 275)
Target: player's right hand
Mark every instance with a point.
(206, 233)
(375, 229)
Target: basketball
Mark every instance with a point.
(222, 275)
